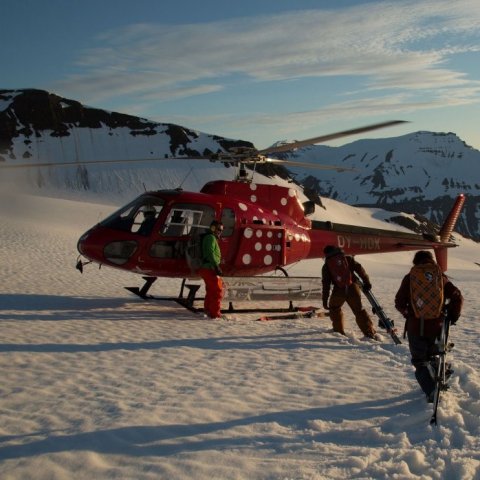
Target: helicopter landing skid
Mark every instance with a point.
(245, 289)
(142, 292)
(186, 302)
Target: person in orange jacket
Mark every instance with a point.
(210, 270)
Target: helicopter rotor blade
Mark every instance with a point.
(95, 162)
(236, 155)
(317, 166)
(248, 159)
(323, 138)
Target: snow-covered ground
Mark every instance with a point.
(99, 384)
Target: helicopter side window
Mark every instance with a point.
(163, 249)
(228, 220)
(183, 218)
(119, 252)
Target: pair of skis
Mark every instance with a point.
(442, 369)
(377, 309)
(301, 312)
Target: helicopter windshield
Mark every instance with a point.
(137, 217)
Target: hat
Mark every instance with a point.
(423, 256)
(149, 210)
(331, 250)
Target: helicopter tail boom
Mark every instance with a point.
(356, 240)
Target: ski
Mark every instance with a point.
(310, 313)
(377, 309)
(442, 370)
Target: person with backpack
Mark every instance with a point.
(338, 271)
(425, 297)
(210, 270)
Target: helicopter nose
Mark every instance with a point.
(89, 245)
(82, 244)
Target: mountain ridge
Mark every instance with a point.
(420, 172)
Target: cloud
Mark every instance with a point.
(403, 45)
(403, 103)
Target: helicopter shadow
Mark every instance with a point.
(291, 341)
(54, 307)
(58, 308)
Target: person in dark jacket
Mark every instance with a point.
(210, 270)
(345, 291)
(149, 218)
(423, 333)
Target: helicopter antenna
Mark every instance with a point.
(253, 171)
(186, 176)
(242, 173)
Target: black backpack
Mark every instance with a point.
(339, 269)
(194, 251)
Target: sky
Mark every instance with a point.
(257, 70)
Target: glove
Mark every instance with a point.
(367, 286)
(452, 319)
(218, 271)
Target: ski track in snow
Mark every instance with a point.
(99, 384)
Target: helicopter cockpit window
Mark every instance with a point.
(184, 217)
(137, 217)
(145, 218)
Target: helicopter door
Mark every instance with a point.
(182, 222)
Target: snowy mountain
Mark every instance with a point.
(419, 173)
(37, 126)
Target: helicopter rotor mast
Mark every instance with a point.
(242, 156)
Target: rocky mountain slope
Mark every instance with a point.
(416, 173)
(37, 126)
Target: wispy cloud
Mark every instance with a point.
(402, 46)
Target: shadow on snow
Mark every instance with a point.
(169, 440)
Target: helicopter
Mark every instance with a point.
(266, 228)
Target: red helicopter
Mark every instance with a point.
(266, 227)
